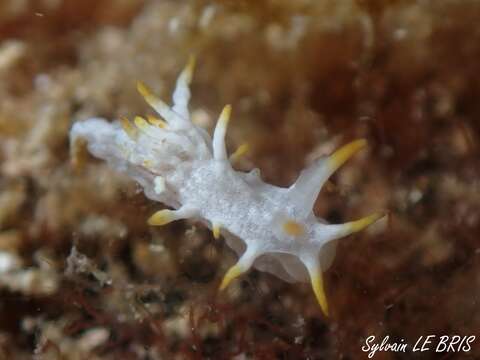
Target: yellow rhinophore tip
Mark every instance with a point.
(293, 228)
(147, 94)
(129, 128)
(216, 231)
(317, 285)
(361, 224)
(156, 121)
(188, 71)
(161, 217)
(141, 123)
(339, 157)
(152, 100)
(234, 272)
(241, 150)
(143, 89)
(225, 115)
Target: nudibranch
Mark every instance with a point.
(178, 164)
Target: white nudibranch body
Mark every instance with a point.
(178, 164)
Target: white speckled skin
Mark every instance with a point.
(200, 183)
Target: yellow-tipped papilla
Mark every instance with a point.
(241, 150)
(243, 264)
(162, 217)
(232, 273)
(159, 105)
(225, 115)
(339, 157)
(189, 68)
(310, 181)
(181, 94)
(335, 231)
(145, 91)
(141, 123)
(317, 285)
(129, 129)
(216, 231)
(219, 150)
(166, 216)
(357, 225)
(156, 121)
(314, 271)
(155, 102)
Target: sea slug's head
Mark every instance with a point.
(154, 142)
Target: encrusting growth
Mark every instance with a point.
(178, 164)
